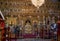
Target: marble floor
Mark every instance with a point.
(34, 40)
(31, 39)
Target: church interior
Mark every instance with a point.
(29, 19)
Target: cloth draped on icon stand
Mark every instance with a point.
(58, 30)
(2, 24)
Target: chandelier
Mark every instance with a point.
(37, 3)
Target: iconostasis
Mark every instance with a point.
(30, 19)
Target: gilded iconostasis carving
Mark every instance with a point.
(29, 18)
